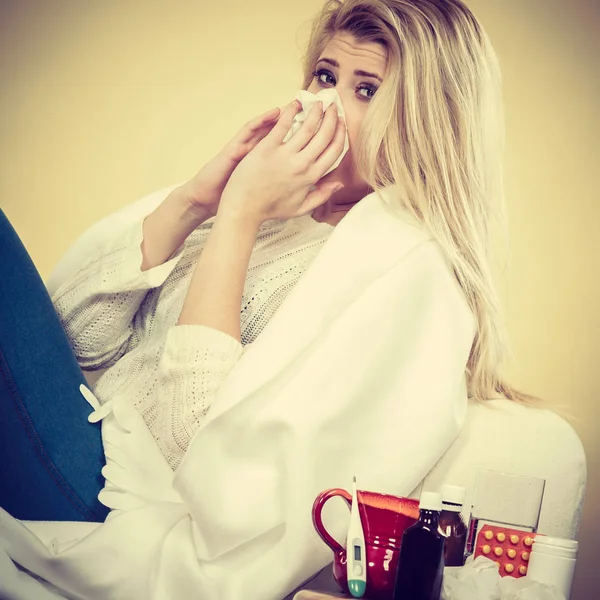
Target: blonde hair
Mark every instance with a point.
(436, 132)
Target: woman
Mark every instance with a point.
(271, 330)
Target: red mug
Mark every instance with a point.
(384, 519)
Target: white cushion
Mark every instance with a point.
(505, 436)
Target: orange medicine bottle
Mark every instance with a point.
(453, 525)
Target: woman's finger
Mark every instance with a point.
(330, 154)
(316, 145)
(275, 137)
(257, 123)
(258, 135)
(308, 129)
(268, 117)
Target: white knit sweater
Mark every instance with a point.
(119, 317)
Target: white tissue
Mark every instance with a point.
(479, 580)
(527, 589)
(307, 99)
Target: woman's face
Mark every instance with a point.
(355, 70)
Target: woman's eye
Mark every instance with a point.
(324, 77)
(369, 91)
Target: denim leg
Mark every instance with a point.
(50, 455)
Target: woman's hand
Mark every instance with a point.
(279, 181)
(203, 191)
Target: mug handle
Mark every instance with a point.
(317, 520)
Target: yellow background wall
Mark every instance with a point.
(103, 102)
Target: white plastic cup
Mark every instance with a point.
(552, 561)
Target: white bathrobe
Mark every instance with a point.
(360, 372)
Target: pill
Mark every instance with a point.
(501, 536)
(514, 539)
(486, 549)
(511, 553)
(488, 535)
(525, 556)
(528, 541)
(497, 564)
(509, 568)
(498, 551)
(523, 570)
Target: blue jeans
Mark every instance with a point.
(50, 455)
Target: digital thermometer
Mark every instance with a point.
(356, 559)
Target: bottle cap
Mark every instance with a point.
(453, 497)
(554, 541)
(554, 546)
(430, 501)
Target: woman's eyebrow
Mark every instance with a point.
(358, 72)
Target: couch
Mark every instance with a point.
(499, 434)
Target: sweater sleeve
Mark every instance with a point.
(98, 304)
(194, 363)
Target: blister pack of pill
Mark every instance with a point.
(508, 548)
